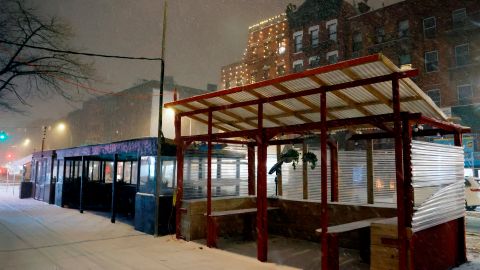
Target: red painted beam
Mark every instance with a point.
(179, 195)
(442, 124)
(211, 241)
(251, 169)
(397, 124)
(355, 83)
(262, 227)
(333, 170)
(324, 187)
(250, 87)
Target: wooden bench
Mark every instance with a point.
(332, 238)
(350, 226)
(213, 229)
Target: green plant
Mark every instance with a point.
(291, 155)
(310, 157)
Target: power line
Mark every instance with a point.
(80, 53)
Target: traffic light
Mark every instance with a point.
(3, 136)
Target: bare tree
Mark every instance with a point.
(26, 71)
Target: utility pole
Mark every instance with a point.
(44, 136)
(160, 138)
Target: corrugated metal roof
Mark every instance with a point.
(358, 101)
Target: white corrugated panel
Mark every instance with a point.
(229, 176)
(334, 77)
(358, 94)
(300, 84)
(352, 177)
(269, 91)
(437, 179)
(384, 177)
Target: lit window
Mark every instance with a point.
(314, 36)
(314, 61)
(332, 30)
(298, 66)
(332, 57)
(431, 61)
(461, 54)
(465, 94)
(298, 38)
(459, 17)
(429, 27)
(403, 27)
(281, 48)
(434, 94)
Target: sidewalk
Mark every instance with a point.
(35, 235)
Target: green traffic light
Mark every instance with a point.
(3, 136)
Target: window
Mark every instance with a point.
(461, 55)
(380, 34)
(403, 28)
(357, 42)
(332, 30)
(465, 94)
(431, 61)
(313, 36)
(298, 66)
(429, 27)
(297, 37)
(280, 69)
(314, 61)
(282, 48)
(404, 59)
(332, 57)
(459, 17)
(434, 94)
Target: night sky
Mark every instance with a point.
(202, 35)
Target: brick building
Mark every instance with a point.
(317, 31)
(266, 55)
(440, 38)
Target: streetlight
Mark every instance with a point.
(62, 129)
(26, 142)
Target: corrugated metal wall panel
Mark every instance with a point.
(437, 179)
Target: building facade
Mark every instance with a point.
(266, 55)
(129, 114)
(439, 38)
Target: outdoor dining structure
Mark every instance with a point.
(380, 185)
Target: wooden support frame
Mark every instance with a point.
(333, 170)
(262, 135)
(323, 161)
(397, 125)
(251, 169)
(180, 159)
(262, 227)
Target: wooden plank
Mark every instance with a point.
(350, 226)
(252, 110)
(238, 211)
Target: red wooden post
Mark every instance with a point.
(462, 251)
(179, 195)
(211, 241)
(407, 171)
(397, 125)
(324, 192)
(251, 169)
(262, 228)
(333, 171)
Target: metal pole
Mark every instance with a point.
(44, 129)
(160, 115)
